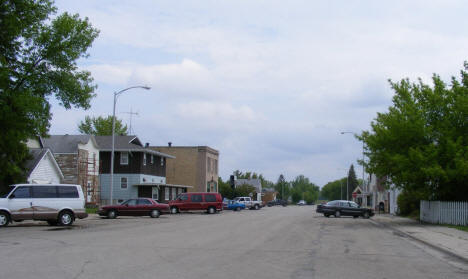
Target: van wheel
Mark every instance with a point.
(337, 214)
(155, 213)
(237, 208)
(174, 210)
(257, 207)
(65, 218)
(211, 210)
(111, 214)
(4, 219)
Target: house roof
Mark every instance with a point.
(37, 155)
(126, 143)
(65, 143)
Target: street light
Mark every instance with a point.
(116, 94)
(362, 158)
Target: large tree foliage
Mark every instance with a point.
(421, 143)
(38, 57)
(335, 190)
(101, 126)
(282, 187)
(303, 189)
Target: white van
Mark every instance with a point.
(58, 204)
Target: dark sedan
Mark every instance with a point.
(135, 207)
(344, 208)
(277, 202)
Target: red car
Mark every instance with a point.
(135, 207)
(211, 202)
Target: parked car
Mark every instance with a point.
(344, 208)
(58, 204)
(233, 205)
(277, 202)
(211, 202)
(135, 207)
(249, 203)
(301, 202)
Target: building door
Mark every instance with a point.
(145, 192)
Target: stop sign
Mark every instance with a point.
(354, 195)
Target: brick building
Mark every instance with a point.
(193, 165)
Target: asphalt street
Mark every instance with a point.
(276, 242)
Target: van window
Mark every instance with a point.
(44, 192)
(22, 192)
(67, 192)
(210, 198)
(183, 197)
(196, 198)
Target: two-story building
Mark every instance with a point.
(139, 171)
(194, 165)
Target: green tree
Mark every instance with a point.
(302, 188)
(38, 57)
(282, 187)
(225, 189)
(352, 182)
(335, 190)
(101, 126)
(421, 143)
(244, 190)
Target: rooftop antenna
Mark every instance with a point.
(132, 113)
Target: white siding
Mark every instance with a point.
(45, 171)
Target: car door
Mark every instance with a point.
(128, 208)
(354, 209)
(144, 207)
(196, 202)
(345, 209)
(20, 203)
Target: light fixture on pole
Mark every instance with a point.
(116, 94)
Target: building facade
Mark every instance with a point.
(138, 171)
(78, 159)
(196, 166)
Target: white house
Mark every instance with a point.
(43, 167)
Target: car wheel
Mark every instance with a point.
(337, 214)
(237, 208)
(52, 222)
(269, 205)
(174, 210)
(111, 214)
(257, 207)
(211, 210)
(4, 219)
(366, 215)
(326, 215)
(155, 213)
(65, 218)
(355, 216)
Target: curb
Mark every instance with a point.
(432, 245)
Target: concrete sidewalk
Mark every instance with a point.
(452, 241)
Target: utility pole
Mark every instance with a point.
(130, 131)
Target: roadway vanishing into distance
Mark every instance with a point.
(276, 242)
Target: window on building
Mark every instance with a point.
(174, 193)
(152, 159)
(208, 164)
(155, 193)
(144, 159)
(162, 161)
(124, 158)
(123, 183)
(166, 193)
(216, 166)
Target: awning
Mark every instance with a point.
(161, 184)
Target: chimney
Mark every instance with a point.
(147, 145)
(169, 144)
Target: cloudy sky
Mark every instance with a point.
(270, 84)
